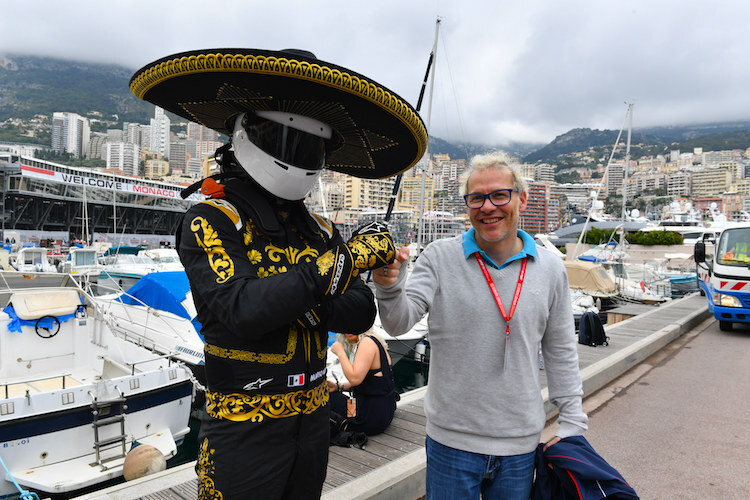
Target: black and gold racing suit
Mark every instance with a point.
(251, 262)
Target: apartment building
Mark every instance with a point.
(159, 133)
(678, 183)
(535, 218)
(710, 181)
(123, 156)
(70, 133)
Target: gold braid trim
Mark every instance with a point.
(244, 407)
(257, 357)
(280, 66)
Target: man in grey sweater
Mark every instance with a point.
(492, 296)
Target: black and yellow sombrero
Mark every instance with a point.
(378, 133)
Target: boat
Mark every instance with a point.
(82, 263)
(158, 313)
(635, 282)
(412, 344)
(32, 259)
(122, 267)
(75, 396)
(166, 259)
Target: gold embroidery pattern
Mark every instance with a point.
(272, 270)
(293, 255)
(257, 357)
(243, 407)
(325, 262)
(248, 63)
(254, 256)
(364, 257)
(248, 235)
(206, 469)
(322, 350)
(209, 241)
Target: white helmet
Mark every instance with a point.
(283, 152)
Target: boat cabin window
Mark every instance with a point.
(84, 258)
(32, 258)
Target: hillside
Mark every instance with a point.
(35, 85)
(647, 141)
(32, 86)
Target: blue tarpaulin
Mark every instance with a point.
(15, 323)
(164, 291)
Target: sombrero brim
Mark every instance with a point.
(379, 134)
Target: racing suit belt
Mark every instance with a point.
(255, 407)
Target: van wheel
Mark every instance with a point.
(725, 326)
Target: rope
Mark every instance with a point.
(24, 494)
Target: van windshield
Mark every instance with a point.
(734, 247)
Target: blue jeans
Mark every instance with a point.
(454, 474)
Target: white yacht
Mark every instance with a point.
(75, 396)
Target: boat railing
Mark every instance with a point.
(27, 384)
(130, 366)
(161, 320)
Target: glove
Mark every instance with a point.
(370, 247)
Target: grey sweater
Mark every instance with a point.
(478, 399)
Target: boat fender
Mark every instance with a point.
(142, 460)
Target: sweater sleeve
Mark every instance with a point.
(404, 303)
(560, 352)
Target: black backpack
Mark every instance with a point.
(591, 330)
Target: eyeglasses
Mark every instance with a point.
(498, 198)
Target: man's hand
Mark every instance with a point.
(388, 275)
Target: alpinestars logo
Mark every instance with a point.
(339, 271)
(256, 384)
(311, 318)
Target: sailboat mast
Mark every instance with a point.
(427, 73)
(625, 171)
(425, 161)
(606, 173)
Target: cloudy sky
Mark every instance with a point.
(506, 70)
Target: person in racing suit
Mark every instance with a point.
(267, 289)
(268, 278)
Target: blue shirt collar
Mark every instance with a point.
(470, 247)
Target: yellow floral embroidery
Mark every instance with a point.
(325, 262)
(293, 255)
(209, 241)
(206, 469)
(244, 407)
(254, 256)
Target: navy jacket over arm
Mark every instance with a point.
(578, 473)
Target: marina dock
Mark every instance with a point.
(392, 464)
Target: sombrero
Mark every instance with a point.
(378, 133)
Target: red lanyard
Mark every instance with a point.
(496, 295)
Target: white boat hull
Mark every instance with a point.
(74, 396)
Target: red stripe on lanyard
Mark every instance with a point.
(496, 295)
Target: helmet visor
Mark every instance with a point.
(286, 144)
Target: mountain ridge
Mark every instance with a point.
(31, 85)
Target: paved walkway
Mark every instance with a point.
(391, 467)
